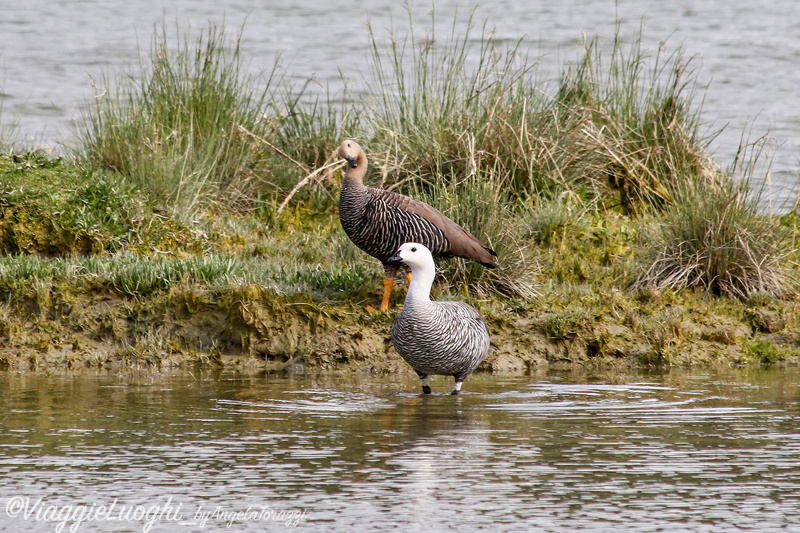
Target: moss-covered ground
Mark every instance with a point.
(94, 274)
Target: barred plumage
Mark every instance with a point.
(443, 338)
(379, 221)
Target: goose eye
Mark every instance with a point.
(414, 249)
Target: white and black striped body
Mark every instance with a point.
(443, 338)
(376, 222)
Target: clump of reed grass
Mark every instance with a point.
(193, 130)
(440, 108)
(171, 128)
(640, 119)
(461, 123)
(714, 238)
(302, 135)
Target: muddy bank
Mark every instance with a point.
(95, 276)
(252, 328)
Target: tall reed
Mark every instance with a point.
(623, 129)
(441, 107)
(171, 128)
(643, 120)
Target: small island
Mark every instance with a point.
(194, 219)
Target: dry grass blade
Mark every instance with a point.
(278, 150)
(305, 181)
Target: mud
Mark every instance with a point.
(254, 329)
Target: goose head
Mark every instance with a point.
(351, 152)
(414, 255)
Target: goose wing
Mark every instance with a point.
(461, 242)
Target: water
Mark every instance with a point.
(748, 52)
(685, 451)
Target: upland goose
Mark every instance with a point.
(442, 338)
(378, 221)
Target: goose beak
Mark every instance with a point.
(395, 258)
(352, 161)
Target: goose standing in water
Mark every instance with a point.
(443, 338)
(379, 221)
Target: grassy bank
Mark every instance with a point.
(196, 221)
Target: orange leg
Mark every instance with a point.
(388, 283)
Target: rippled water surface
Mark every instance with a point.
(702, 451)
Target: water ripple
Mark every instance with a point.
(691, 454)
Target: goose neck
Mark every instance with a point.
(355, 176)
(419, 291)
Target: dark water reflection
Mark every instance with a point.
(685, 451)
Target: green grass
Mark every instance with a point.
(763, 351)
(54, 208)
(171, 129)
(64, 224)
(143, 277)
(714, 238)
